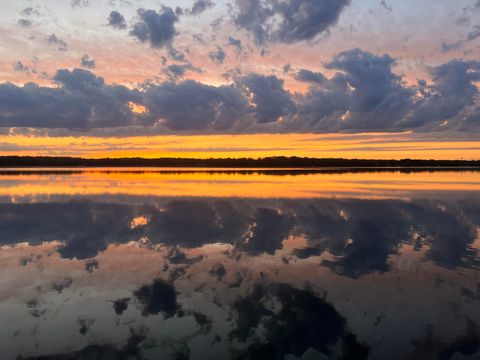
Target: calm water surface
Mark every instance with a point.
(211, 264)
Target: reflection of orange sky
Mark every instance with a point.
(203, 184)
(374, 145)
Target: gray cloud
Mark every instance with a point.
(287, 21)
(25, 22)
(175, 54)
(218, 55)
(200, 6)
(82, 101)
(252, 15)
(177, 71)
(473, 34)
(270, 100)
(79, 3)
(305, 19)
(310, 76)
(446, 46)
(29, 10)
(199, 38)
(88, 63)
(116, 20)
(386, 5)
(54, 40)
(194, 106)
(236, 43)
(364, 94)
(155, 28)
(452, 99)
(20, 67)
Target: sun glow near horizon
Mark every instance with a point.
(360, 146)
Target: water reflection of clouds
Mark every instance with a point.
(360, 234)
(151, 277)
(131, 290)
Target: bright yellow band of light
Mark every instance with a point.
(362, 146)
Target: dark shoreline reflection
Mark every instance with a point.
(238, 278)
(238, 171)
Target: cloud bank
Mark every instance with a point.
(363, 94)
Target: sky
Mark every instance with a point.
(237, 78)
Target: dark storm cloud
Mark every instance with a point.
(218, 55)
(271, 101)
(297, 20)
(216, 108)
(190, 105)
(116, 20)
(451, 97)
(155, 28)
(364, 94)
(82, 101)
(370, 76)
(87, 62)
(358, 97)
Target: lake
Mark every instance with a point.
(149, 263)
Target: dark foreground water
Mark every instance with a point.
(251, 265)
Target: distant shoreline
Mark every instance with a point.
(280, 163)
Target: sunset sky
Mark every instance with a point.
(237, 78)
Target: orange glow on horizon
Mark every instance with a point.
(202, 183)
(361, 146)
